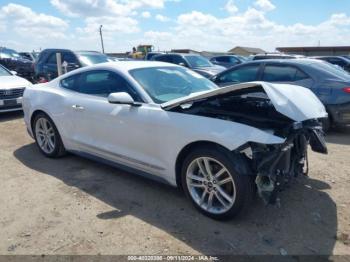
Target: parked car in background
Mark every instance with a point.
(330, 84)
(112, 58)
(29, 55)
(197, 63)
(274, 56)
(340, 61)
(46, 65)
(152, 54)
(227, 61)
(11, 90)
(12, 60)
(167, 122)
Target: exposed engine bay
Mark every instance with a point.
(272, 165)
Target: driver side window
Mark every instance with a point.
(99, 83)
(103, 83)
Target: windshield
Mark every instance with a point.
(198, 61)
(167, 83)
(92, 58)
(331, 69)
(4, 72)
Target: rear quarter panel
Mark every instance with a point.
(50, 100)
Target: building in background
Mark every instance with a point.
(316, 50)
(246, 51)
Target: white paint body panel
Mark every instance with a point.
(12, 82)
(147, 138)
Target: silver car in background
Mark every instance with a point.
(11, 90)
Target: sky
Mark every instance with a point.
(210, 25)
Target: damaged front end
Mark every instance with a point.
(286, 111)
(276, 165)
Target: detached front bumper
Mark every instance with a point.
(340, 114)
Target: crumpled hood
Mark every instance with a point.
(8, 82)
(296, 102)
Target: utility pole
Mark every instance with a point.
(103, 48)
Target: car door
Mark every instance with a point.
(116, 132)
(239, 74)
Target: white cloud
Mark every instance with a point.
(87, 8)
(154, 35)
(162, 18)
(196, 30)
(230, 7)
(146, 14)
(111, 25)
(196, 18)
(203, 31)
(265, 5)
(26, 22)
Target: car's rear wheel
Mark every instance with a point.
(210, 179)
(47, 137)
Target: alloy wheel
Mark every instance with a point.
(45, 135)
(211, 185)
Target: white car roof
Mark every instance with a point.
(121, 66)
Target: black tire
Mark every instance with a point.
(58, 149)
(244, 185)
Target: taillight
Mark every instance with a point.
(346, 90)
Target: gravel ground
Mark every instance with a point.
(76, 206)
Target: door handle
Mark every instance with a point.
(78, 107)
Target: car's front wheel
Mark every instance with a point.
(210, 179)
(47, 137)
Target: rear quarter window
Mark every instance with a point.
(71, 83)
(276, 73)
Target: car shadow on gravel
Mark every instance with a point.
(304, 223)
(9, 116)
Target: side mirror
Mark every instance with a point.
(122, 98)
(13, 72)
(183, 64)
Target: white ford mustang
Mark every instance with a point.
(170, 123)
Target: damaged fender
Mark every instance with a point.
(288, 112)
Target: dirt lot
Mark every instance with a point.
(76, 206)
